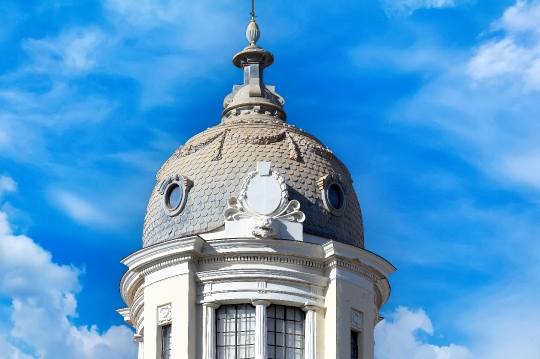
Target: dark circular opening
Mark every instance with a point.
(174, 196)
(335, 196)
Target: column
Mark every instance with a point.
(137, 338)
(310, 332)
(210, 337)
(260, 328)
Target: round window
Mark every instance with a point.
(174, 196)
(335, 196)
(174, 190)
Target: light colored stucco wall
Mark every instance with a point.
(180, 292)
(341, 297)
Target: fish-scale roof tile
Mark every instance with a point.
(218, 159)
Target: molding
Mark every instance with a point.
(359, 255)
(211, 305)
(164, 314)
(343, 263)
(323, 185)
(255, 274)
(165, 264)
(129, 284)
(357, 319)
(257, 302)
(162, 250)
(137, 308)
(183, 183)
(264, 225)
(261, 258)
(256, 245)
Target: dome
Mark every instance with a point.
(209, 169)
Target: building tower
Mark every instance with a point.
(253, 242)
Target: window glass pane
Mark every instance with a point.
(235, 326)
(166, 341)
(354, 345)
(271, 323)
(280, 326)
(286, 334)
(280, 312)
(299, 315)
(299, 328)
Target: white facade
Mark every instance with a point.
(340, 287)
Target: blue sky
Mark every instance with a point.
(433, 105)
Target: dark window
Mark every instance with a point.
(335, 196)
(166, 341)
(354, 345)
(235, 326)
(285, 332)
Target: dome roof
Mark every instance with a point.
(213, 164)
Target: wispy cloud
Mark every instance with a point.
(78, 209)
(73, 51)
(407, 7)
(7, 184)
(515, 58)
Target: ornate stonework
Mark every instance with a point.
(165, 314)
(264, 199)
(357, 319)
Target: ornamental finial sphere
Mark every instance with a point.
(252, 32)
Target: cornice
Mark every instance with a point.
(164, 263)
(347, 264)
(281, 246)
(365, 257)
(162, 250)
(256, 274)
(261, 258)
(309, 262)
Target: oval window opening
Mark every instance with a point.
(174, 196)
(335, 196)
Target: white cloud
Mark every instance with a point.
(514, 58)
(397, 337)
(7, 184)
(409, 6)
(43, 303)
(79, 209)
(524, 168)
(73, 50)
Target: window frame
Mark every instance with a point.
(165, 353)
(355, 344)
(250, 322)
(272, 344)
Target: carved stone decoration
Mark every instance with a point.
(356, 320)
(217, 154)
(264, 227)
(264, 199)
(168, 185)
(294, 152)
(165, 314)
(187, 150)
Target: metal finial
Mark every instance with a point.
(252, 32)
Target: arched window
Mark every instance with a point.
(235, 329)
(285, 332)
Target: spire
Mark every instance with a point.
(253, 96)
(252, 32)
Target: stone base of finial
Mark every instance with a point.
(253, 54)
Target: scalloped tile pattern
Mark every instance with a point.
(218, 159)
